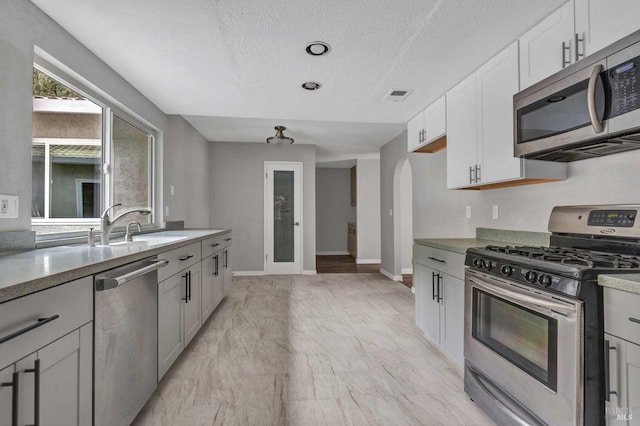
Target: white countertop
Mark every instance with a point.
(27, 272)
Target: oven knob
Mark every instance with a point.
(530, 276)
(486, 265)
(477, 262)
(506, 270)
(544, 280)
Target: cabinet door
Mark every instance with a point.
(414, 132)
(192, 318)
(602, 22)
(207, 295)
(541, 48)
(428, 308)
(170, 324)
(6, 395)
(452, 337)
(226, 269)
(633, 382)
(498, 82)
(435, 120)
(461, 133)
(64, 371)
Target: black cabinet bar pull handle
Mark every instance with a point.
(186, 287)
(189, 286)
(636, 320)
(215, 245)
(41, 322)
(226, 256)
(607, 373)
(437, 260)
(227, 239)
(433, 286)
(36, 391)
(14, 397)
(439, 282)
(183, 258)
(215, 258)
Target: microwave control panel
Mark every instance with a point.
(612, 218)
(625, 87)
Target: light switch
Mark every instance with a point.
(495, 212)
(166, 211)
(8, 206)
(390, 212)
(173, 191)
(467, 212)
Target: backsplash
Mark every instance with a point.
(13, 241)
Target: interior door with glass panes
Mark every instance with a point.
(283, 218)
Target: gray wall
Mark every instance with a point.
(390, 155)
(186, 167)
(23, 26)
(333, 210)
(440, 213)
(368, 209)
(236, 183)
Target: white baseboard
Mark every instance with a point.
(406, 271)
(331, 253)
(390, 275)
(309, 272)
(248, 273)
(367, 261)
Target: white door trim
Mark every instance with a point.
(267, 262)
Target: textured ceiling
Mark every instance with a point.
(234, 68)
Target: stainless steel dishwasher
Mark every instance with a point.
(126, 340)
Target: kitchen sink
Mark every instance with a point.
(158, 239)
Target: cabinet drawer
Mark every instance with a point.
(620, 311)
(215, 244)
(72, 302)
(441, 260)
(179, 259)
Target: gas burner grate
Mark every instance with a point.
(570, 257)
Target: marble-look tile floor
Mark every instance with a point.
(332, 349)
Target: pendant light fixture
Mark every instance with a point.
(280, 138)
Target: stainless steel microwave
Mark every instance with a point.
(589, 109)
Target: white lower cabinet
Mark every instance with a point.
(440, 299)
(178, 315)
(46, 368)
(622, 350)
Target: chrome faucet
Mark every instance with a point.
(106, 224)
(128, 236)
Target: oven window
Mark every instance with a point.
(526, 338)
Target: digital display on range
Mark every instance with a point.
(612, 218)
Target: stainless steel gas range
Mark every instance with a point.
(533, 341)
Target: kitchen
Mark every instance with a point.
(607, 180)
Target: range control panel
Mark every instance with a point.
(612, 218)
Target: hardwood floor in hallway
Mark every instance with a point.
(328, 349)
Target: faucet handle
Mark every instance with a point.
(129, 236)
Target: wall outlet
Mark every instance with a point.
(495, 212)
(173, 190)
(8, 206)
(467, 212)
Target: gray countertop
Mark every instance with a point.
(485, 237)
(30, 271)
(624, 282)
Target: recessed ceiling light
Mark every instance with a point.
(311, 85)
(318, 48)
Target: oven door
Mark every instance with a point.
(523, 352)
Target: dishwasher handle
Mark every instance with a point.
(108, 283)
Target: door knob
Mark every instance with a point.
(296, 223)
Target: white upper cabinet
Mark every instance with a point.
(602, 22)
(462, 114)
(548, 47)
(480, 130)
(497, 82)
(427, 127)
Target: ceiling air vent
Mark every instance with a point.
(397, 95)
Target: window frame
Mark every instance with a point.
(110, 107)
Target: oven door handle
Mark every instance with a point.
(523, 299)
